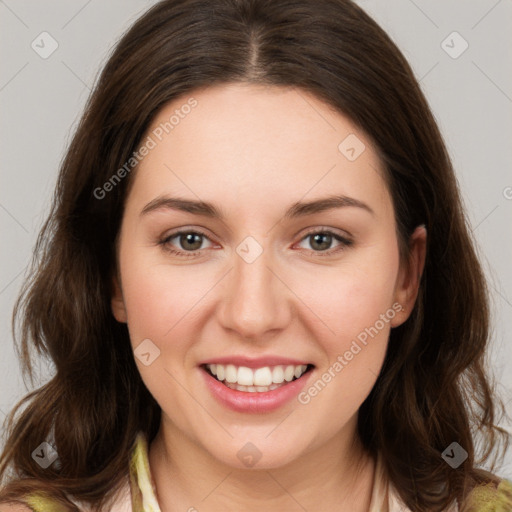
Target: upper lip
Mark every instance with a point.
(256, 362)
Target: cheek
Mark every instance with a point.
(162, 299)
(162, 303)
(353, 297)
(159, 300)
(356, 304)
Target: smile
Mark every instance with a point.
(252, 380)
(255, 388)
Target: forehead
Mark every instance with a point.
(247, 143)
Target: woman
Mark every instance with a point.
(319, 345)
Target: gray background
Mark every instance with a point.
(41, 101)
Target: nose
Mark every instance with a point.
(255, 298)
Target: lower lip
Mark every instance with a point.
(257, 402)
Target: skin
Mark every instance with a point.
(253, 151)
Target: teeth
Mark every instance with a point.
(278, 374)
(297, 371)
(262, 376)
(245, 376)
(289, 373)
(231, 373)
(254, 379)
(253, 389)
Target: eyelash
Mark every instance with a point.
(345, 242)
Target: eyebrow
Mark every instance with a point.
(298, 209)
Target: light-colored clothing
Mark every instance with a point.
(139, 492)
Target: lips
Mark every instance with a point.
(255, 385)
(260, 377)
(257, 362)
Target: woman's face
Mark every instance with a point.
(267, 275)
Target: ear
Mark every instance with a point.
(117, 301)
(409, 276)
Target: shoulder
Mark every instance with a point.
(37, 502)
(494, 496)
(121, 501)
(33, 503)
(17, 507)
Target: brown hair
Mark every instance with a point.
(433, 387)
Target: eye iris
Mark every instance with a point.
(189, 238)
(324, 245)
(321, 240)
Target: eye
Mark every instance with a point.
(190, 241)
(321, 241)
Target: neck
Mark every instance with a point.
(339, 475)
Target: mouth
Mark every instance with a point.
(256, 380)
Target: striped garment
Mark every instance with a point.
(139, 493)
